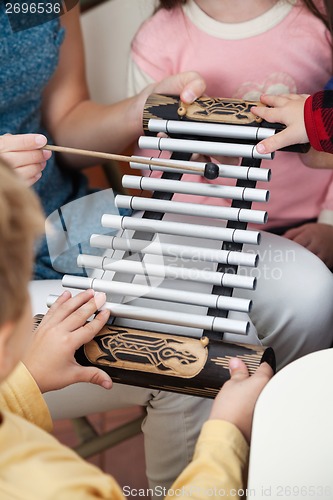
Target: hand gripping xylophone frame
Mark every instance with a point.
(176, 361)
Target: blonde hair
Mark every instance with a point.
(21, 222)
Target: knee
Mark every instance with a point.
(294, 315)
(301, 291)
(312, 289)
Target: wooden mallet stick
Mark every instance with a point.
(211, 170)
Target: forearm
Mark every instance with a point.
(111, 128)
(100, 128)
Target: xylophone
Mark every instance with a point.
(171, 272)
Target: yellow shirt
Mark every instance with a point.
(35, 466)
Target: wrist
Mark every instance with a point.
(137, 107)
(236, 421)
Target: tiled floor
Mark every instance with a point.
(125, 461)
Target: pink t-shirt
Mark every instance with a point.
(285, 50)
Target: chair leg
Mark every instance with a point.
(93, 443)
(84, 430)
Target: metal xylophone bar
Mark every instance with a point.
(212, 190)
(180, 273)
(202, 147)
(174, 207)
(214, 131)
(174, 295)
(210, 323)
(182, 229)
(185, 251)
(226, 171)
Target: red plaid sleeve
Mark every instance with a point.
(318, 117)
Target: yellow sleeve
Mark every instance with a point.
(34, 465)
(19, 394)
(219, 465)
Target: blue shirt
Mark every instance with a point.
(28, 60)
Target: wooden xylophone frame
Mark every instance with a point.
(166, 361)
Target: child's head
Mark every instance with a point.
(21, 221)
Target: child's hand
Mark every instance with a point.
(236, 400)
(50, 358)
(23, 154)
(223, 160)
(289, 110)
(317, 238)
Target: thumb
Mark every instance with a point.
(193, 87)
(93, 375)
(238, 369)
(190, 85)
